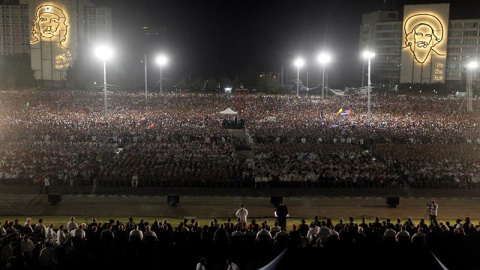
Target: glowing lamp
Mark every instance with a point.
(162, 60)
(299, 62)
(368, 54)
(472, 65)
(104, 52)
(324, 58)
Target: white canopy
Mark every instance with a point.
(228, 111)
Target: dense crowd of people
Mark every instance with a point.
(319, 165)
(177, 139)
(76, 245)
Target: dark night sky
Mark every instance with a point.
(216, 38)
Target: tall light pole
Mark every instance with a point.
(323, 58)
(161, 61)
(470, 68)
(298, 63)
(369, 55)
(146, 81)
(104, 53)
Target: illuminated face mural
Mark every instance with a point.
(50, 25)
(422, 33)
(425, 39)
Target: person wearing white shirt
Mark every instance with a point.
(2, 231)
(149, 233)
(313, 232)
(402, 236)
(50, 235)
(135, 180)
(232, 265)
(79, 233)
(324, 233)
(72, 225)
(202, 265)
(136, 233)
(47, 184)
(61, 236)
(263, 234)
(242, 213)
(40, 228)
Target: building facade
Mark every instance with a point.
(14, 31)
(53, 33)
(425, 47)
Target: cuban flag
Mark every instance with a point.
(346, 113)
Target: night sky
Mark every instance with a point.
(221, 38)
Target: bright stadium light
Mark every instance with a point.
(471, 66)
(324, 58)
(104, 53)
(298, 63)
(161, 61)
(369, 55)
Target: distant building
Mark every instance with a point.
(15, 29)
(381, 31)
(53, 33)
(425, 47)
(98, 25)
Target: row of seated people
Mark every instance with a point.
(325, 165)
(385, 165)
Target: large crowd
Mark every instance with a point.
(137, 243)
(177, 139)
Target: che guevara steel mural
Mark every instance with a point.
(50, 34)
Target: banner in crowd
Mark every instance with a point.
(341, 112)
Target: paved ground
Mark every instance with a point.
(222, 202)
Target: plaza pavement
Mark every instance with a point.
(223, 202)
